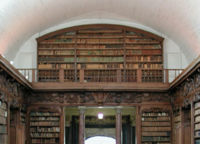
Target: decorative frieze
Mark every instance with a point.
(10, 90)
(188, 90)
(97, 98)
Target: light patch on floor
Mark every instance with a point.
(100, 140)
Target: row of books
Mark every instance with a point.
(80, 59)
(44, 118)
(3, 120)
(43, 114)
(3, 105)
(154, 129)
(197, 112)
(23, 117)
(45, 123)
(56, 52)
(197, 141)
(197, 105)
(197, 119)
(99, 66)
(3, 139)
(156, 143)
(3, 129)
(177, 118)
(155, 138)
(63, 46)
(197, 125)
(144, 58)
(155, 118)
(155, 114)
(156, 123)
(197, 133)
(45, 135)
(155, 133)
(44, 129)
(3, 113)
(103, 52)
(100, 40)
(44, 141)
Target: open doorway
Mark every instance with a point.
(99, 125)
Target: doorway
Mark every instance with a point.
(99, 124)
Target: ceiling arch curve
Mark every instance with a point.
(178, 20)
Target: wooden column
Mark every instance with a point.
(182, 127)
(139, 75)
(118, 125)
(28, 139)
(119, 79)
(166, 76)
(33, 76)
(82, 125)
(138, 125)
(82, 75)
(8, 122)
(18, 128)
(61, 75)
(192, 122)
(124, 48)
(62, 125)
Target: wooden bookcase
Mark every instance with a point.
(104, 47)
(197, 122)
(156, 127)
(44, 127)
(177, 126)
(23, 116)
(3, 123)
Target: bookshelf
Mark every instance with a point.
(99, 47)
(156, 127)
(177, 126)
(3, 123)
(44, 127)
(197, 122)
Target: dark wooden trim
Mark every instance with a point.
(5, 65)
(138, 125)
(104, 86)
(192, 122)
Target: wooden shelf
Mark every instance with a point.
(3, 122)
(156, 130)
(44, 125)
(103, 44)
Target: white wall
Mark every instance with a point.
(173, 56)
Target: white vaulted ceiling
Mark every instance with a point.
(178, 20)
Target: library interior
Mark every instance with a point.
(99, 72)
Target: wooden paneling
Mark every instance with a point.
(3, 123)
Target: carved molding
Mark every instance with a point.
(97, 98)
(10, 90)
(188, 91)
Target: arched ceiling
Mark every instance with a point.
(179, 20)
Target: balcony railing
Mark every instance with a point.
(101, 75)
